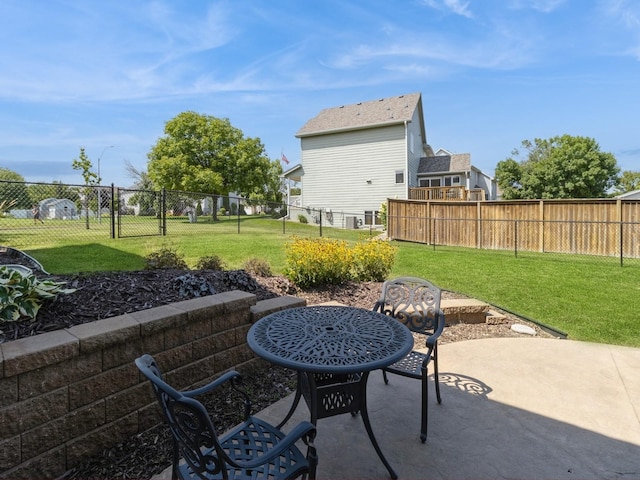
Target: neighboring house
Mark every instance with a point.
(446, 169)
(355, 157)
(632, 195)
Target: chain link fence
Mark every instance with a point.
(35, 213)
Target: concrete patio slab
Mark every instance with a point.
(512, 408)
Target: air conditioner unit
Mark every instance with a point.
(351, 222)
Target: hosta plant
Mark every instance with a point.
(21, 296)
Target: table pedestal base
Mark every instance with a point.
(327, 395)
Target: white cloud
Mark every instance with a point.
(454, 6)
(624, 11)
(544, 6)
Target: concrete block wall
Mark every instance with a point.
(68, 394)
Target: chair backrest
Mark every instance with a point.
(414, 302)
(194, 436)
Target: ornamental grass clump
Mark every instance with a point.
(312, 262)
(372, 260)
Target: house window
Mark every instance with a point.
(429, 182)
(451, 180)
(372, 217)
(399, 176)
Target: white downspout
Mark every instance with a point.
(406, 160)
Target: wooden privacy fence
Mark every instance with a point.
(606, 227)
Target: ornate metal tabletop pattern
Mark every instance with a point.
(331, 339)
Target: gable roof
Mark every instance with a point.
(630, 195)
(457, 162)
(386, 111)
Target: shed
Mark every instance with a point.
(58, 208)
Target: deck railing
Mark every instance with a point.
(448, 194)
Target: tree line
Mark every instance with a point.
(562, 167)
(202, 153)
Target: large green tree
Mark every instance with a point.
(560, 167)
(201, 153)
(13, 192)
(628, 181)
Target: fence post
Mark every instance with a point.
(285, 216)
(433, 234)
(515, 237)
(621, 234)
(113, 211)
(320, 222)
(238, 210)
(163, 210)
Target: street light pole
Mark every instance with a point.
(99, 187)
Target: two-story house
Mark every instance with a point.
(355, 157)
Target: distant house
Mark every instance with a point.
(632, 195)
(355, 157)
(446, 169)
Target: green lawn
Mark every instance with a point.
(591, 299)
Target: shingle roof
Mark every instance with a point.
(362, 115)
(458, 162)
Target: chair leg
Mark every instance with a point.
(384, 375)
(435, 372)
(425, 407)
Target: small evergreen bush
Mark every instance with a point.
(166, 257)
(211, 262)
(302, 219)
(257, 266)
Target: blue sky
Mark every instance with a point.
(95, 74)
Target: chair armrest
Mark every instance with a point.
(378, 306)
(229, 376)
(304, 431)
(433, 338)
(232, 376)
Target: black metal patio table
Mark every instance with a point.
(333, 349)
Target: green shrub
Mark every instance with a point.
(222, 211)
(166, 257)
(302, 219)
(318, 262)
(211, 262)
(383, 214)
(22, 295)
(322, 261)
(373, 260)
(257, 266)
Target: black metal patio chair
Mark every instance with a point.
(252, 449)
(416, 303)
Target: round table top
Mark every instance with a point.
(330, 339)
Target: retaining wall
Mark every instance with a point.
(68, 394)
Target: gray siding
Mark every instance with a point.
(414, 149)
(338, 166)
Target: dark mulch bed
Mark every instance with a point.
(106, 294)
